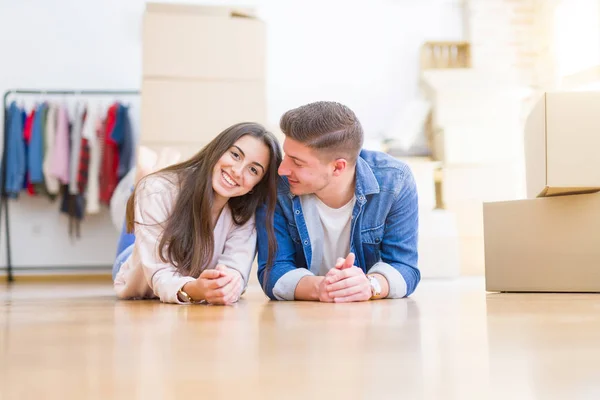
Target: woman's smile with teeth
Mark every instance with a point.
(228, 179)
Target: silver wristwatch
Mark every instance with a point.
(375, 286)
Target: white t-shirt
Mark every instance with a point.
(337, 224)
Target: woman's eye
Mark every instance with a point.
(235, 155)
(254, 170)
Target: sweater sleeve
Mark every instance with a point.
(240, 249)
(151, 212)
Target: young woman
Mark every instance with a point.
(190, 234)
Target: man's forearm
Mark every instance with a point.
(308, 288)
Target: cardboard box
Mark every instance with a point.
(202, 42)
(543, 245)
(561, 144)
(182, 112)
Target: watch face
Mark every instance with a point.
(184, 296)
(375, 286)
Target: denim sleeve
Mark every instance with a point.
(399, 247)
(284, 260)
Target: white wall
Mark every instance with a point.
(576, 21)
(362, 53)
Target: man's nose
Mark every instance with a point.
(283, 168)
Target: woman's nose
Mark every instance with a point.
(237, 170)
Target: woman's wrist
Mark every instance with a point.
(193, 291)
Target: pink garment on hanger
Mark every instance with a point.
(59, 166)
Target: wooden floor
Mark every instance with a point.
(450, 340)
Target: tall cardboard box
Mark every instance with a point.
(203, 42)
(196, 111)
(562, 139)
(203, 70)
(549, 244)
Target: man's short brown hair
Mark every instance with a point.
(330, 128)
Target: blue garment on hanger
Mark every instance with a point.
(15, 155)
(36, 146)
(126, 149)
(122, 135)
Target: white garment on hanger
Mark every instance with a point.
(91, 126)
(51, 181)
(76, 148)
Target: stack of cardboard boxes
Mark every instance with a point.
(550, 242)
(203, 70)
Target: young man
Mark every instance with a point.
(346, 220)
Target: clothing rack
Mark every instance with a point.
(3, 195)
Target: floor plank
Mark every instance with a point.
(450, 340)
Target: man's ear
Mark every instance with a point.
(339, 166)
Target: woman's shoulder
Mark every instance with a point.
(162, 183)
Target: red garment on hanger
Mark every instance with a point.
(110, 158)
(27, 137)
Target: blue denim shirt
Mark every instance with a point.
(384, 233)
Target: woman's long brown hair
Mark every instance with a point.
(187, 241)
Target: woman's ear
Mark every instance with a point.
(339, 166)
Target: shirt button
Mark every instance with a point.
(306, 242)
(361, 197)
(377, 240)
(297, 212)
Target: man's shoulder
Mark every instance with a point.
(385, 166)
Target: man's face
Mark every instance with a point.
(306, 173)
